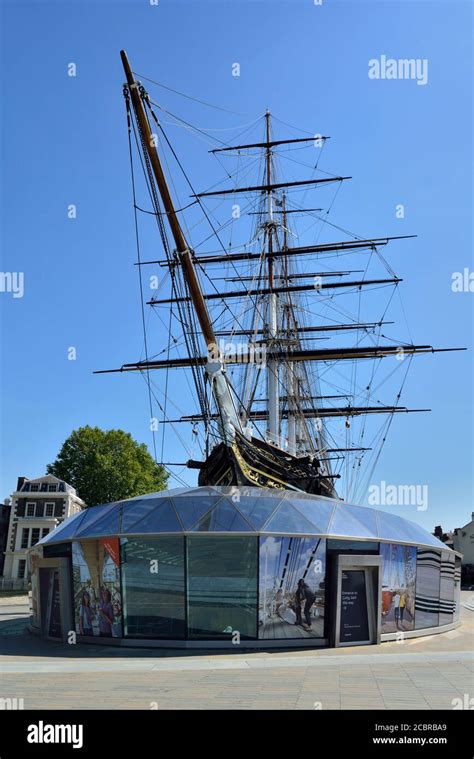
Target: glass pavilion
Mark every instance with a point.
(227, 566)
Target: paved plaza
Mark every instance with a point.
(421, 673)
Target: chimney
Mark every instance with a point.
(21, 481)
(7, 502)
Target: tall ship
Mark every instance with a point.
(278, 402)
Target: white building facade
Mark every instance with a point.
(463, 541)
(38, 507)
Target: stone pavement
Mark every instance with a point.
(421, 673)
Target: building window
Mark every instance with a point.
(30, 509)
(51, 488)
(26, 488)
(21, 569)
(49, 509)
(25, 536)
(34, 488)
(153, 587)
(222, 586)
(45, 531)
(35, 535)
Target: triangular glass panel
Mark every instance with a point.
(316, 510)
(109, 524)
(93, 514)
(393, 527)
(163, 518)
(67, 529)
(288, 520)
(222, 518)
(258, 508)
(191, 509)
(135, 510)
(365, 516)
(345, 524)
(420, 535)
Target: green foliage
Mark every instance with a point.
(107, 465)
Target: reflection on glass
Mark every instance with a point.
(153, 587)
(222, 586)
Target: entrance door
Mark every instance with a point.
(357, 601)
(50, 603)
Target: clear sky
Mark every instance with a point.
(64, 142)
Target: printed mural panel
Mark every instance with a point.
(446, 588)
(291, 588)
(457, 588)
(97, 595)
(398, 587)
(428, 565)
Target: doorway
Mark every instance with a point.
(54, 595)
(50, 603)
(357, 593)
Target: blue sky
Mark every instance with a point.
(64, 141)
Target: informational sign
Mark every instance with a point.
(55, 607)
(354, 619)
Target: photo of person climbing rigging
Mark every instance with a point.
(291, 592)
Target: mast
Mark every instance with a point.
(291, 380)
(214, 367)
(273, 428)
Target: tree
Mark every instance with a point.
(107, 465)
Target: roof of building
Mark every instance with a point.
(466, 526)
(48, 479)
(240, 510)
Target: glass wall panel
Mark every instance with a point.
(153, 587)
(291, 593)
(398, 587)
(428, 564)
(222, 586)
(96, 581)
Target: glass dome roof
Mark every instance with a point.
(240, 510)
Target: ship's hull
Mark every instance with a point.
(260, 464)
